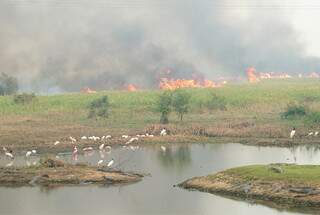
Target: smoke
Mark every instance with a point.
(65, 45)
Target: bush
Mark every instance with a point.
(99, 108)
(24, 98)
(180, 102)
(8, 84)
(164, 106)
(216, 102)
(294, 110)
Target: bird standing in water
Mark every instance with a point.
(293, 132)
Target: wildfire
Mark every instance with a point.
(131, 88)
(172, 84)
(252, 76)
(87, 90)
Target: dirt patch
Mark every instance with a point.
(53, 172)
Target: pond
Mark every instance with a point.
(155, 194)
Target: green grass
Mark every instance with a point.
(262, 102)
(292, 173)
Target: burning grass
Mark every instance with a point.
(286, 185)
(243, 111)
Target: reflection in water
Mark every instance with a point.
(155, 194)
(177, 157)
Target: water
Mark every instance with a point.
(154, 194)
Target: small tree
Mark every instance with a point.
(8, 84)
(99, 108)
(164, 106)
(180, 102)
(216, 102)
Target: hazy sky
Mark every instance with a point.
(105, 44)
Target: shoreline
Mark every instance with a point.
(273, 189)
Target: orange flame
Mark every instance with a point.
(131, 88)
(172, 84)
(251, 74)
(87, 90)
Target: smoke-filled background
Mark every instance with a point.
(64, 45)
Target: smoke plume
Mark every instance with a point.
(105, 44)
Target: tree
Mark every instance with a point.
(164, 106)
(180, 102)
(99, 108)
(8, 84)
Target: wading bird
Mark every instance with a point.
(293, 132)
(125, 136)
(110, 163)
(101, 147)
(310, 134)
(72, 139)
(84, 138)
(100, 162)
(9, 154)
(56, 143)
(316, 133)
(163, 132)
(75, 150)
(34, 151)
(28, 153)
(87, 149)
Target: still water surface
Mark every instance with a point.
(155, 194)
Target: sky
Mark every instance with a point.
(56, 45)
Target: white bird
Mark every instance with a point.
(108, 136)
(293, 132)
(132, 139)
(310, 134)
(91, 138)
(163, 132)
(101, 147)
(9, 164)
(28, 153)
(4, 149)
(100, 162)
(56, 143)
(34, 151)
(87, 149)
(9, 154)
(84, 138)
(151, 135)
(110, 163)
(72, 139)
(125, 136)
(163, 148)
(316, 133)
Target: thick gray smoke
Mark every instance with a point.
(58, 45)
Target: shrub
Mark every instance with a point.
(164, 106)
(24, 98)
(216, 102)
(180, 102)
(99, 108)
(294, 110)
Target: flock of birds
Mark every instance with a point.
(103, 147)
(310, 134)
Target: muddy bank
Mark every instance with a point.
(54, 172)
(278, 185)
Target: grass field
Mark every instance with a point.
(253, 110)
